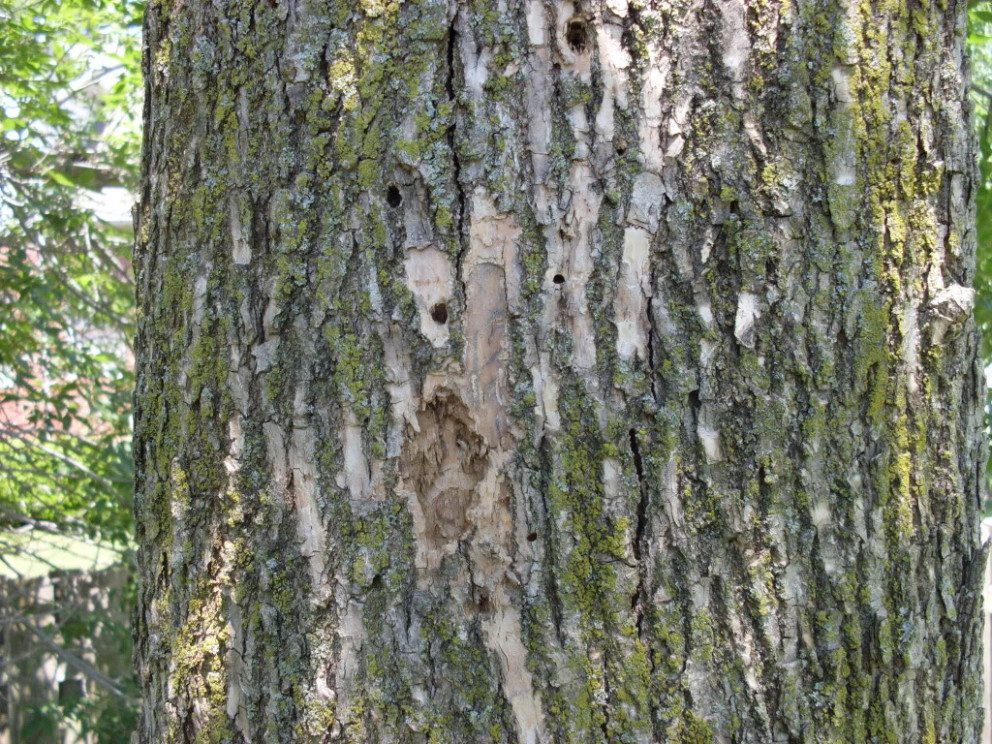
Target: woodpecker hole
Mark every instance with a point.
(577, 36)
(558, 279)
(393, 197)
(439, 313)
(485, 606)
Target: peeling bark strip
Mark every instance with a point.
(537, 371)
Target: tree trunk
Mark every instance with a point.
(530, 371)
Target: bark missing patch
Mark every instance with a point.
(442, 464)
(462, 509)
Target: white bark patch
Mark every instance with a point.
(571, 25)
(237, 383)
(236, 672)
(649, 131)
(546, 388)
(710, 439)
(646, 201)
(294, 472)
(491, 284)
(911, 346)
(265, 354)
(844, 173)
(948, 309)
(503, 633)
(538, 97)
(709, 434)
(844, 161)
(705, 313)
(356, 474)
(823, 520)
(841, 78)
(614, 60)
(536, 23)
(403, 402)
(430, 277)
(351, 632)
(630, 307)
(275, 449)
(302, 457)
(232, 463)
(240, 250)
(707, 349)
(474, 58)
(748, 313)
(672, 493)
(736, 44)
(198, 310)
(569, 222)
(199, 297)
(611, 478)
(569, 249)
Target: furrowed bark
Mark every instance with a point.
(544, 372)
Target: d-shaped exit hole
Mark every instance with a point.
(439, 313)
(577, 36)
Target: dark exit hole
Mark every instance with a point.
(440, 313)
(393, 197)
(532, 537)
(558, 279)
(485, 606)
(577, 36)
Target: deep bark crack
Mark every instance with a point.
(449, 86)
(638, 600)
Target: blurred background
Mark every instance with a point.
(70, 92)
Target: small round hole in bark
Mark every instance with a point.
(393, 196)
(577, 36)
(439, 313)
(558, 279)
(532, 537)
(485, 605)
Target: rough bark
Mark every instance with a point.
(529, 371)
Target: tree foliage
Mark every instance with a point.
(69, 87)
(70, 92)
